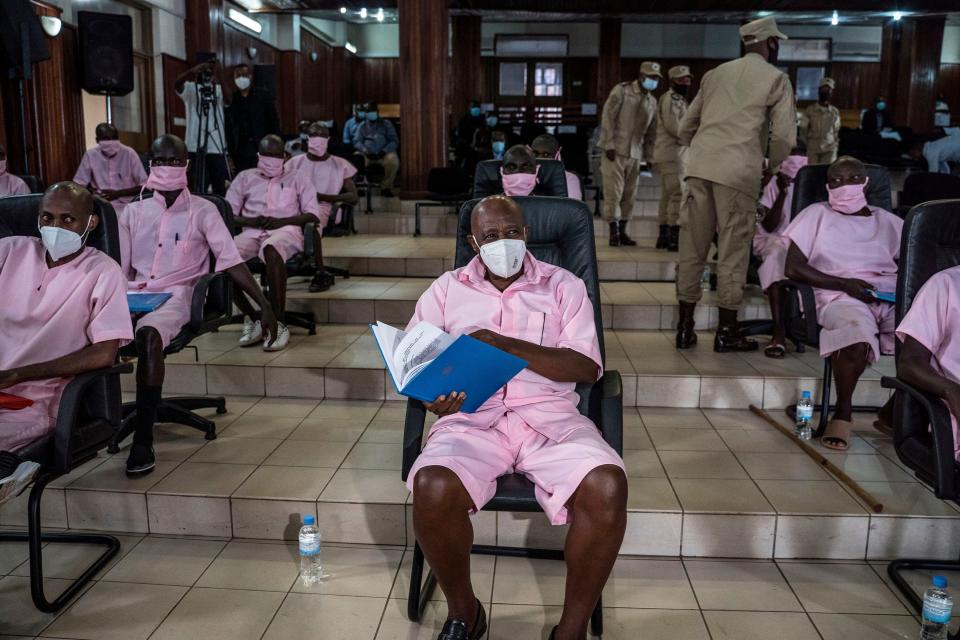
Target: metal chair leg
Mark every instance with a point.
(416, 220)
(420, 589)
(596, 618)
(898, 567)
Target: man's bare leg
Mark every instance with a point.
(276, 280)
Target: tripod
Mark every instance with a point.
(208, 110)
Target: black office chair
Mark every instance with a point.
(447, 187)
(561, 233)
(551, 180)
(922, 187)
(210, 309)
(35, 184)
(799, 305)
(89, 411)
(923, 435)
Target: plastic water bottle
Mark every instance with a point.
(705, 278)
(937, 606)
(311, 571)
(804, 417)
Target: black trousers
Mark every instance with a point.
(215, 176)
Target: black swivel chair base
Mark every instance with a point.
(35, 539)
(304, 320)
(898, 567)
(422, 588)
(176, 410)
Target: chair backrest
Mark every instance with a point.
(929, 243)
(447, 180)
(924, 187)
(810, 187)
(560, 233)
(36, 186)
(551, 179)
(19, 215)
(219, 302)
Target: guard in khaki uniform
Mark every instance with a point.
(820, 126)
(743, 111)
(627, 130)
(669, 155)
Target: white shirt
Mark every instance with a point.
(216, 143)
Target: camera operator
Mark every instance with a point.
(205, 137)
(252, 115)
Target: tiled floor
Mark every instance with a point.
(179, 588)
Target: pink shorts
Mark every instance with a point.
(847, 322)
(773, 266)
(169, 318)
(286, 240)
(479, 456)
(20, 428)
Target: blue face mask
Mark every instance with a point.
(498, 146)
(361, 115)
(650, 84)
(881, 105)
(474, 111)
(372, 116)
(491, 121)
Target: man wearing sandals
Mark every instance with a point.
(848, 250)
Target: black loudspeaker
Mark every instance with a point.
(106, 53)
(21, 38)
(265, 79)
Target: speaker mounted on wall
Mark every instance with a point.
(106, 53)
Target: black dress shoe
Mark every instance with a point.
(673, 244)
(456, 629)
(625, 240)
(140, 462)
(729, 339)
(663, 237)
(322, 280)
(686, 335)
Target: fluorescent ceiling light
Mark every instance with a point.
(363, 12)
(343, 10)
(349, 47)
(241, 18)
(897, 15)
(835, 18)
(380, 14)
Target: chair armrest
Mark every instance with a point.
(412, 434)
(611, 409)
(201, 290)
(809, 302)
(71, 401)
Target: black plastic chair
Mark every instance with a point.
(35, 184)
(447, 187)
(561, 233)
(799, 305)
(923, 435)
(920, 187)
(210, 309)
(551, 180)
(89, 411)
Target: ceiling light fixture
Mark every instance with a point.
(897, 15)
(241, 18)
(349, 47)
(380, 14)
(363, 13)
(343, 10)
(51, 25)
(835, 18)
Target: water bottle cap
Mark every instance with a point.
(309, 519)
(806, 394)
(940, 582)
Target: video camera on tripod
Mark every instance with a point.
(210, 118)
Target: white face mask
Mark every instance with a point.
(503, 258)
(243, 83)
(60, 242)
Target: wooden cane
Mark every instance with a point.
(864, 495)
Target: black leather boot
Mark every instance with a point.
(686, 336)
(674, 243)
(663, 238)
(614, 234)
(728, 336)
(625, 240)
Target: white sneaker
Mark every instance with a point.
(283, 338)
(252, 332)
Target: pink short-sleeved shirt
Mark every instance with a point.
(252, 194)
(763, 239)
(326, 176)
(123, 170)
(848, 246)
(546, 305)
(49, 313)
(11, 185)
(573, 186)
(167, 250)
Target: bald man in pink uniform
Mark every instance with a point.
(540, 313)
(10, 185)
(64, 312)
(112, 170)
(846, 249)
(930, 332)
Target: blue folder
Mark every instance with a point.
(468, 365)
(885, 296)
(146, 302)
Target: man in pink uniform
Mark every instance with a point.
(930, 332)
(271, 205)
(64, 312)
(10, 185)
(332, 177)
(847, 250)
(540, 313)
(546, 147)
(771, 247)
(112, 170)
(165, 243)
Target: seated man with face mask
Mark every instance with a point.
(271, 204)
(847, 250)
(541, 313)
(111, 170)
(64, 313)
(546, 147)
(10, 185)
(519, 174)
(165, 246)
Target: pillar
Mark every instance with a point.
(608, 62)
(910, 65)
(423, 73)
(466, 66)
(204, 26)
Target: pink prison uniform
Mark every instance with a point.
(11, 185)
(531, 425)
(252, 194)
(849, 246)
(934, 321)
(50, 313)
(771, 246)
(573, 186)
(167, 250)
(122, 171)
(326, 176)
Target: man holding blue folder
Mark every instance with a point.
(541, 314)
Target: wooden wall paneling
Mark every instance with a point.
(924, 42)
(381, 79)
(289, 90)
(172, 104)
(608, 62)
(948, 85)
(326, 83)
(465, 69)
(204, 26)
(858, 84)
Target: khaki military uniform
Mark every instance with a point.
(820, 128)
(628, 127)
(743, 112)
(669, 155)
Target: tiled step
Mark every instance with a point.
(716, 483)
